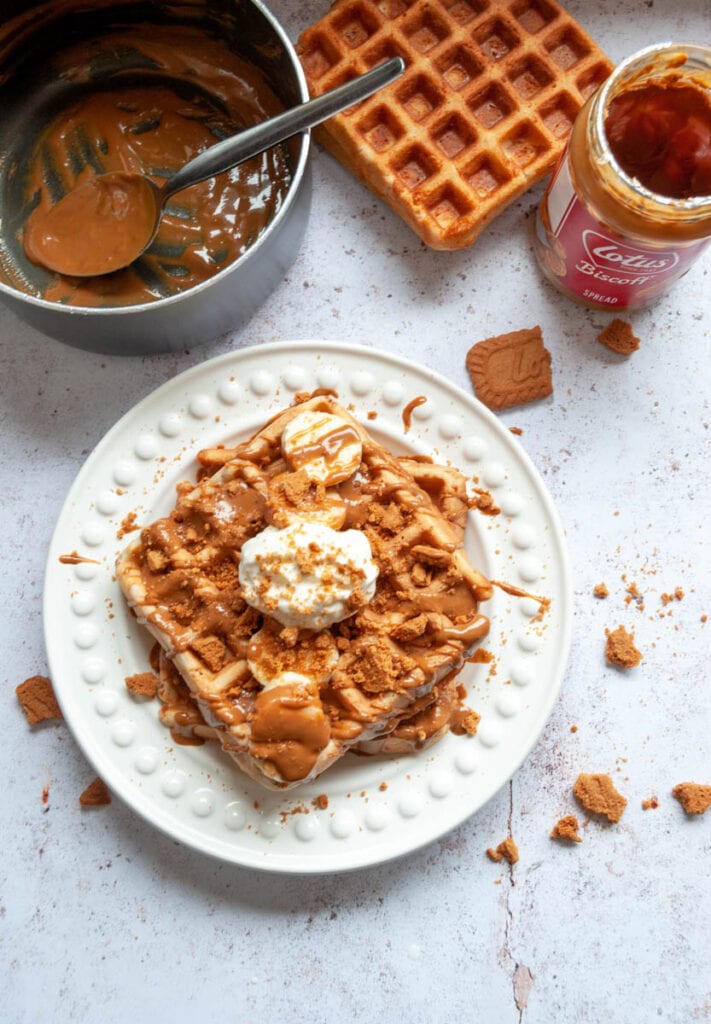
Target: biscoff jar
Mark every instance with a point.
(628, 208)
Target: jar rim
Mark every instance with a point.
(665, 204)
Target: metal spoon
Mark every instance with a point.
(106, 223)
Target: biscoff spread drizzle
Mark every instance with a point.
(336, 684)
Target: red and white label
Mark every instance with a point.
(601, 266)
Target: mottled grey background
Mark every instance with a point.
(103, 918)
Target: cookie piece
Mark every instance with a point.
(144, 684)
(619, 336)
(695, 799)
(510, 369)
(96, 794)
(37, 699)
(598, 795)
(566, 829)
(506, 850)
(620, 650)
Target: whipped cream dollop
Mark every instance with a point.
(306, 574)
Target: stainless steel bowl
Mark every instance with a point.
(231, 296)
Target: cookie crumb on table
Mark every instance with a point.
(695, 799)
(597, 794)
(145, 684)
(620, 649)
(600, 590)
(320, 802)
(506, 850)
(566, 829)
(651, 804)
(619, 336)
(510, 369)
(38, 700)
(96, 794)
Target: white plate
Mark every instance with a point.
(378, 808)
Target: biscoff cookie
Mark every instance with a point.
(695, 799)
(37, 699)
(598, 795)
(510, 369)
(619, 336)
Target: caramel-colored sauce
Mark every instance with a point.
(100, 227)
(290, 729)
(75, 559)
(328, 447)
(193, 91)
(407, 411)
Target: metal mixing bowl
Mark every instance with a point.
(222, 302)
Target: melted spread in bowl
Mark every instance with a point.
(146, 101)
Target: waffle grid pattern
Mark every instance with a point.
(483, 110)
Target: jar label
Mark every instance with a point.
(600, 266)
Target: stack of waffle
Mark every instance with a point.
(391, 685)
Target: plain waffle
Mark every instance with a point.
(180, 577)
(483, 110)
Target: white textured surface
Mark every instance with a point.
(103, 915)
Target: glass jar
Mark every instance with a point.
(602, 237)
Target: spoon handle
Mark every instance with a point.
(252, 141)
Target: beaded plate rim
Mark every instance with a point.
(378, 808)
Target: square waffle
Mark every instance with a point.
(396, 655)
(482, 111)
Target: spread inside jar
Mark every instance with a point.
(660, 134)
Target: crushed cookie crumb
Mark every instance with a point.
(600, 590)
(96, 794)
(619, 336)
(37, 699)
(566, 829)
(128, 525)
(516, 430)
(620, 650)
(506, 850)
(144, 684)
(483, 501)
(573, 728)
(695, 799)
(651, 804)
(597, 794)
(320, 802)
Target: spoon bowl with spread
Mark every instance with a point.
(106, 223)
